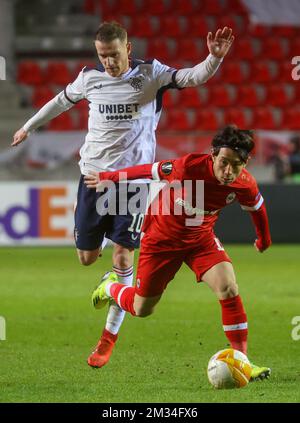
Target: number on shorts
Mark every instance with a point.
(219, 245)
(136, 224)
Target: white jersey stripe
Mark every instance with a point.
(238, 326)
(155, 174)
(120, 294)
(255, 207)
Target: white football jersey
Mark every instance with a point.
(123, 113)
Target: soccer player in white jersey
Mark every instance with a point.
(125, 101)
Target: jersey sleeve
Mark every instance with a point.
(250, 198)
(75, 91)
(164, 75)
(176, 169)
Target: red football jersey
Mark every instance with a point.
(176, 231)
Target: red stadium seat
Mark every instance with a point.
(197, 26)
(80, 65)
(188, 49)
(259, 31)
(210, 7)
(235, 6)
(107, 8)
(169, 99)
(294, 47)
(144, 26)
(219, 96)
(61, 123)
(262, 72)
(171, 26)
(286, 31)
(155, 7)
(247, 96)
(58, 73)
(90, 7)
(273, 49)
(233, 73)
(243, 49)
(230, 22)
(285, 70)
(183, 8)
(30, 72)
(191, 98)
(237, 117)
(41, 96)
(127, 7)
(263, 118)
(207, 119)
(159, 49)
(291, 119)
(295, 88)
(178, 120)
(277, 96)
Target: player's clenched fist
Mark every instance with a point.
(19, 137)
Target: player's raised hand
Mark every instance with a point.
(261, 246)
(220, 43)
(19, 137)
(92, 179)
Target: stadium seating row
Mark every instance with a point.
(232, 72)
(183, 119)
(276, 95)
(163, 7)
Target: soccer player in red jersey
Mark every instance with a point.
(168, 241)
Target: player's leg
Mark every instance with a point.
(139, 301)
(88, 257)
(154, 272)
(123, 267)
(221, 279)
(212, 265)
(89, 226)
(124, 231)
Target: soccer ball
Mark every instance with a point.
(229, 369)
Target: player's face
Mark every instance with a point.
(227, 166)
(114, 56)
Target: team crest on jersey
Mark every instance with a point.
(166, 168)
(230, 197)
(136, 82)
(138, 283)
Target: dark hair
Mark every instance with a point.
(239, 140)
(109, 31)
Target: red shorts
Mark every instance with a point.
(157, 269)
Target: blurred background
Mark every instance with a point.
(45, 43)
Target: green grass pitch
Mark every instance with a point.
(51, 328)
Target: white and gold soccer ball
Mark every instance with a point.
(229, 369)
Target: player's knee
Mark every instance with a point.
(122, 257)
(143, 310)
(228, 289)
(87, 259)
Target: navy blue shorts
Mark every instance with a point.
(91, 225)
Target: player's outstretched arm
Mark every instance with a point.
(220, 43)
(19, 137)
(93, 179)
(261, 223)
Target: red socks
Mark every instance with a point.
(123, 296)
(235, 324)
(109, 336)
